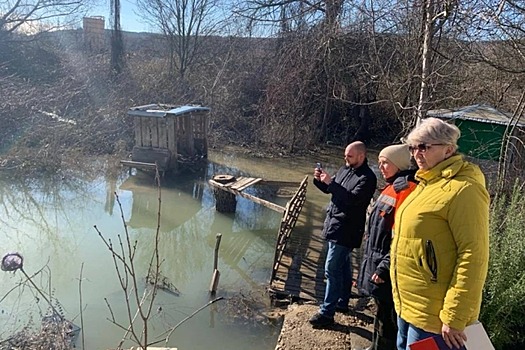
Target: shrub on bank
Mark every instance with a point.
(503, 308)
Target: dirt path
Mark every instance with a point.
(352, 330)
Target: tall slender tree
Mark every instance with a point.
(117, 43)
(435, 14)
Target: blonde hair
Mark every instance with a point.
(434, 130)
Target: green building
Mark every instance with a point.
(482, 130)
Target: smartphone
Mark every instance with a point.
(318, 165)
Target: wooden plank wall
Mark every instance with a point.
(162, 127)
(171, 128)
(177, 134)
(154, 131)
(188, 134)
(137, 122)
(199, 125)
(200, 131)
(146, 134)
(204, 131)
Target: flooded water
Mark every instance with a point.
(52, 224)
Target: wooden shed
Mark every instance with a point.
(166, 134)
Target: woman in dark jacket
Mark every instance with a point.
(374, 276)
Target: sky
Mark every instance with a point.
(129, 20)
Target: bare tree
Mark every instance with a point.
(308, 93)
(184, 24)
(291, 15)
(493, 34)
(36, 16)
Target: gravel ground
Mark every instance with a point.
(351, 330)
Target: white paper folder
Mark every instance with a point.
(477, 338)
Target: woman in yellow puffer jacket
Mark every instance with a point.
(440, 249)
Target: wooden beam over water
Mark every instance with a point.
(282, 183)
(250, 183)
(255, 199)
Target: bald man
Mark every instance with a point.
(351, 188)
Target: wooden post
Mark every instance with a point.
(216, 255)
(225, 202)
(216, 274)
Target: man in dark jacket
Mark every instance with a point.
(351, 188)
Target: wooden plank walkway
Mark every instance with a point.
(300, 253)
(300, 274)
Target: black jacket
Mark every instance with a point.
(351, 191)
(376, 256)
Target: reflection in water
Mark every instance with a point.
(52, 222)
(181, 199)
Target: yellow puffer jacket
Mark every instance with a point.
(440, 250)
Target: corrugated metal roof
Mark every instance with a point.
(162, 111)
(481, 113)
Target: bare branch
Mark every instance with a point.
(170, 332)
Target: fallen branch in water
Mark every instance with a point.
(185, 319)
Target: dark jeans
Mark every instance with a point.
(338, 273)
(385, 326)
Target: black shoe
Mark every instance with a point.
(319, 320)
(342, 309)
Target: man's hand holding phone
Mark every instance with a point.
(322, 175)
(318, 171)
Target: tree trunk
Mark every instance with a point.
(117, 45)
(425, 59)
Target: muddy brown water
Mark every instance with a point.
(51, 223)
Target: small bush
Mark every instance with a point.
(503, 308)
